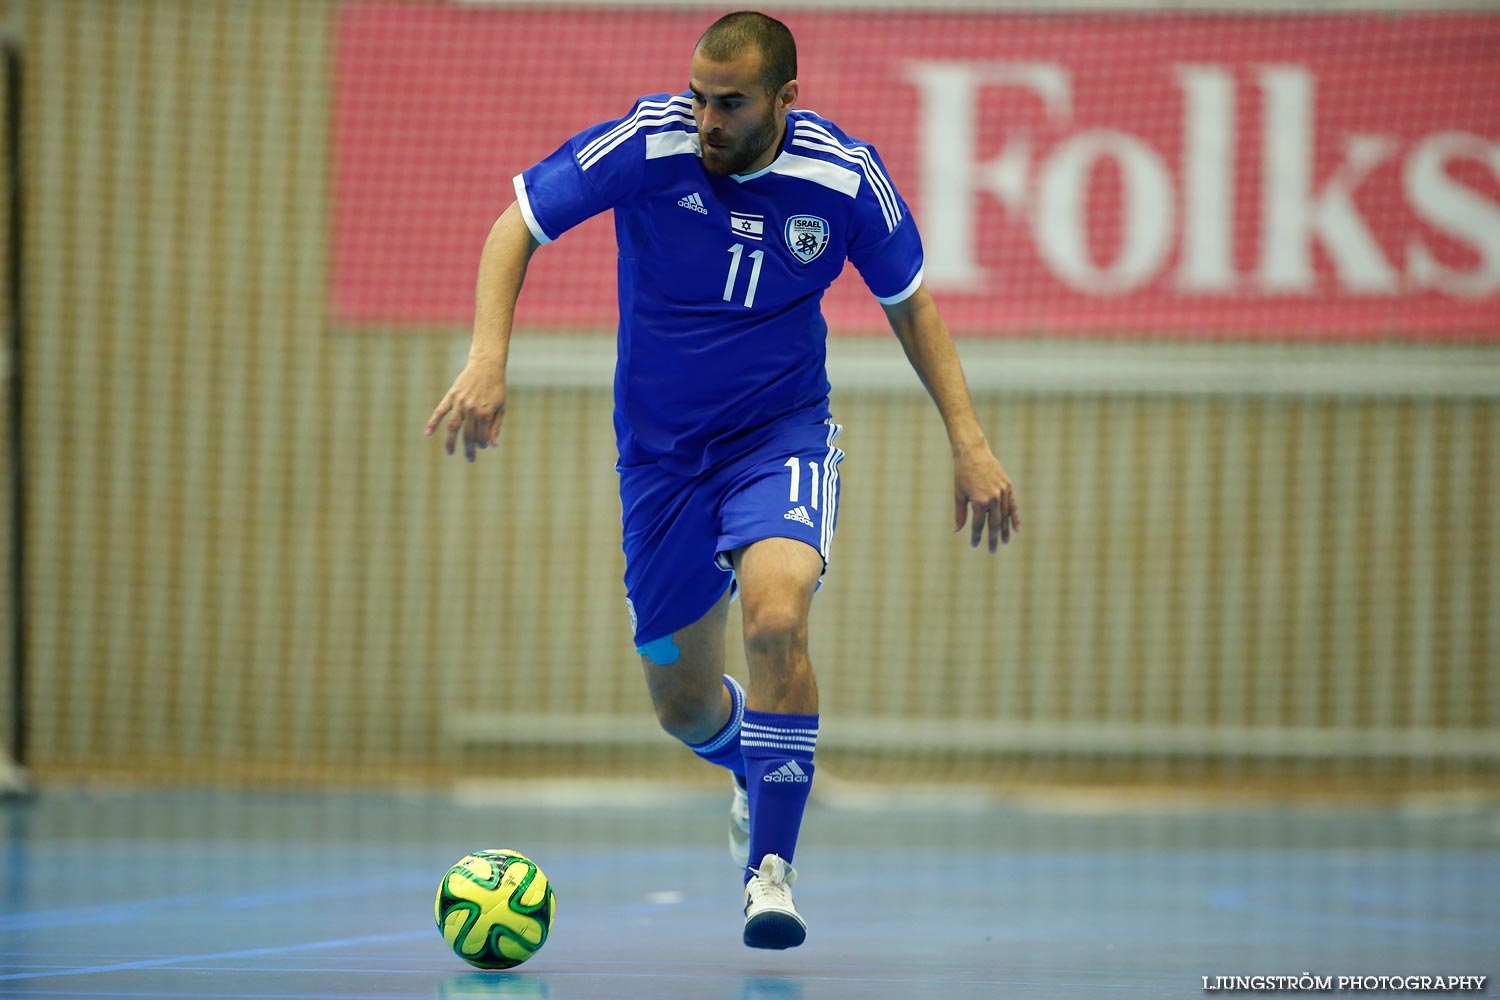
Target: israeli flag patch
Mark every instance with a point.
(748, 225)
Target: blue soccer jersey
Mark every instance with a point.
(721, 334)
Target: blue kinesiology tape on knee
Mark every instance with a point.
(663, 652)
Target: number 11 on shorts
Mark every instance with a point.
(796, 467)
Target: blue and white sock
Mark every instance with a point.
(724, 748)
(778, 753)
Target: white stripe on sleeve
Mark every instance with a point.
(526, 212)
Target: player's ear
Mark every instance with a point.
(787, 95)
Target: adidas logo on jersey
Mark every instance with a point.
(787, 772)
(693, 202)
(798, 514)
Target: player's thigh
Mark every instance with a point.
(669, 536)
(689, 681)
(778, 518)
(777, 578)
(678, 595)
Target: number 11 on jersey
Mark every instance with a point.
(734, 269)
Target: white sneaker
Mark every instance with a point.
(739, 826)
(771, 920)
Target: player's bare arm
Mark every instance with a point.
(475, 404)
(980, 484)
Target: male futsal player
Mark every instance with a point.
(733, 212)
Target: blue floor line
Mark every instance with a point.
(216, 956)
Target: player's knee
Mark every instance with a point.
(687, 719)
(775, 628)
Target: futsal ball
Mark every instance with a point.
(494, 908)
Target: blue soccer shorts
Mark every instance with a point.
(680, 530)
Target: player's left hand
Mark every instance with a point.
(477, 404)
(981, 487)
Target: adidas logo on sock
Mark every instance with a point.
(798, 514)
(693, 202)
(787, 772)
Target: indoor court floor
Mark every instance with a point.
(176, 894)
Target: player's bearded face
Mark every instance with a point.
(739, 120)
(726, 152)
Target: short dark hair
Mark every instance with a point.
(734, 33)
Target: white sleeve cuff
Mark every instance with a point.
(525, 203)
(886, 300)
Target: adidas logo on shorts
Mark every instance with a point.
(798, 514)
(787, 772)
(695, 203)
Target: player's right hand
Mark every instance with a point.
(474, 405)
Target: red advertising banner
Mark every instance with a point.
(1328, 176)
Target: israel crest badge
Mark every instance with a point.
(806, 236)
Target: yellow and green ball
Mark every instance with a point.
(495, 908)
